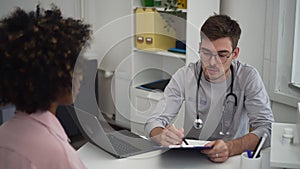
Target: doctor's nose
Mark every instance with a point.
(213, 60)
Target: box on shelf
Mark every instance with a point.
(147, 2)
(157, 3)
(151, 32)
(182, 4)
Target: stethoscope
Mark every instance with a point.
(198, 123)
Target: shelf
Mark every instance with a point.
(137, 3)
(163, 53)
(160, 9)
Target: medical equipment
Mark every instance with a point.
(198, 123)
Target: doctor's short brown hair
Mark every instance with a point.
(220, 26)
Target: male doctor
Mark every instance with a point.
(223, 97)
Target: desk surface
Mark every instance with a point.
(94, 158)
(287, 156)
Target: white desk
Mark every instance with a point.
(94, 158)
(287, 156)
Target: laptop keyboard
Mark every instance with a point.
(121, 146)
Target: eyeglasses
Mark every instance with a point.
(220, 57)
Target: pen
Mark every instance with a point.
(249, 153)
(184, 140)
(260, 144)
(256, 147)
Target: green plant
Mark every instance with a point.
(171, 7)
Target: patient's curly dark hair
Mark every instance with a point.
(38, 51)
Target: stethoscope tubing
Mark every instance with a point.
(198, 120)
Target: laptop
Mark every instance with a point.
(93, 125)
(120, 144)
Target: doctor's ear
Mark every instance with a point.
(235, 53)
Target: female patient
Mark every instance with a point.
(38, 51)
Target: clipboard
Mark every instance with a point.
(192, 144)
(186, 147)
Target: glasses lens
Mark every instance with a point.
(221, 57)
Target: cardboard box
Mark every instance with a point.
(152, 31)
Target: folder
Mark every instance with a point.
(151, 32)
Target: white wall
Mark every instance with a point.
(266, 43)
(250, 14)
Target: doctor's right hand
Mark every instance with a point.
(167, 136)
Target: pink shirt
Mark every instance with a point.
(36, 141)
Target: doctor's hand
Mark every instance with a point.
(167, 136)
(219, 152)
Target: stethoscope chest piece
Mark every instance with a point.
(231, 97)
(198, 123)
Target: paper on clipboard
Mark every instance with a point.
(192, 144)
